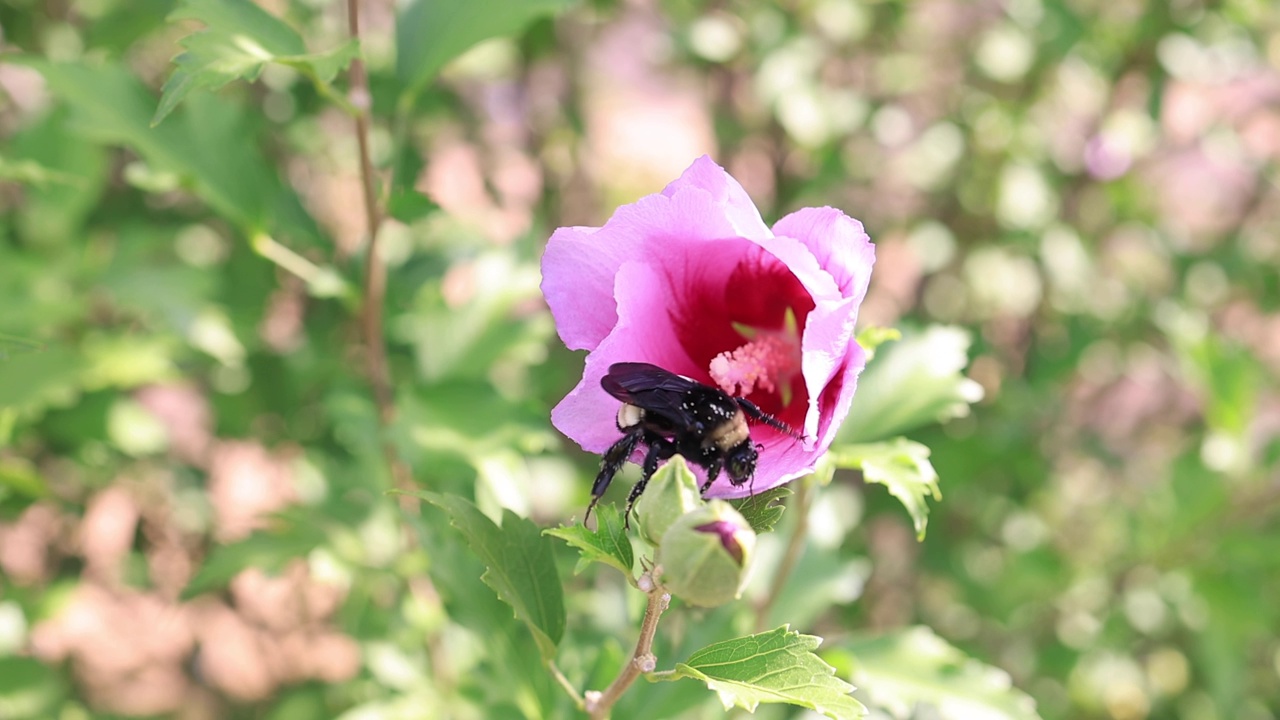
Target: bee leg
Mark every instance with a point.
(659, 449)
(713, 472)
(755, 413)
(610, 464)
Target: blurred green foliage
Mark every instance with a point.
(1075, 205)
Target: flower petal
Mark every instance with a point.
(839, 242)
(704, 174)
(580, 263)
(578, 270)
(826, 346)
(588, 415)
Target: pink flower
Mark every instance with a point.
(693, 281)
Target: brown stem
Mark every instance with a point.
(795, 546)
(375, 272)
(642, 659)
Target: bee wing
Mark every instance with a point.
(650, 387)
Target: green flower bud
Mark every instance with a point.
(705, 555)
(672, 492)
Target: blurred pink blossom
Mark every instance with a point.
(107, 530)
(25, 545)
(246, 483)
(186, 416)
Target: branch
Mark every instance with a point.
(375, 272)
(642, 660)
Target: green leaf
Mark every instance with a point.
(608, 543)
(778, 666)
(11, 345)
(764, 510)
(430, 33)
(903, 669)
(520, 566)
(209, 150)
(29, 688)
(22, 478)
(408, 205)
(31, 172)
(913, 382)
(239, 40)
(30, 376)
(900, 465)
(872, 338)
(67, 180)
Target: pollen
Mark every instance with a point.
(766, 363)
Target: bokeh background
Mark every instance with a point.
(192, 521)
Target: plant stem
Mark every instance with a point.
(564, 683)
(375, 275)
(795, 546)
(375, 272)
(642, 660)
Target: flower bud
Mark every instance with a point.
(705, 555)
(672, 492)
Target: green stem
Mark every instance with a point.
(564, 683)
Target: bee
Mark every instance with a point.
(670, 414)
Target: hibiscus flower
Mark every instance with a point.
(692, 280)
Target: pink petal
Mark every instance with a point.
(824, 348)
(579, 264)
(704, 174)
(839, 242)
(588, 415)
(578, 269)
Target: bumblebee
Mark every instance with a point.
(670, 414)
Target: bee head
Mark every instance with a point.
(740, 462)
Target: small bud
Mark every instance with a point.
(706, 554)
(671, 493)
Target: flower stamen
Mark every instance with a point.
(767, 362)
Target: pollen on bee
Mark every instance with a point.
(629, 416)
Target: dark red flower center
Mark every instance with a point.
(744, 335)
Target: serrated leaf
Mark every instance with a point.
(778, 666)
(239, 40)
(900, 465)
(913, 382)
(430, 33)
(901, 670)
(608, 543)
(520, 566)
(764, 510)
